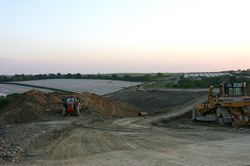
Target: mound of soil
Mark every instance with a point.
(34, 105)
(153, 101)
(107, 106)
(30, 106)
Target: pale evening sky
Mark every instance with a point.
(108, 36)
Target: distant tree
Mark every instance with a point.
(99, 76)
(159, 74)
(114, 77)
(69, 75)
(126, 77)
(78, 75)
(52, 76)
(147, 77)
(59, 75)
(17, 78)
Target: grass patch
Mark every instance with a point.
(191, 83)
(4, 101)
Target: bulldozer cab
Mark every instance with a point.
(233, 89)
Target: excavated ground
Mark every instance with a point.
(19, 119)
(156, 101)
(108, 133)
(35, 105)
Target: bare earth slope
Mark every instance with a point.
(34, 105)
(134, 141)
(153, 101)
(18, 121)
(113, 140)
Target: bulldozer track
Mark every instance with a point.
(226, 116)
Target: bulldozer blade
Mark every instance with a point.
(206, 118)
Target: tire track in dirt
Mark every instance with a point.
(134, 141)
(96, 140)
(81, 143)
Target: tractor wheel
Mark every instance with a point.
(78, 110)
(63, 112)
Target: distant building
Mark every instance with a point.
(200, 76)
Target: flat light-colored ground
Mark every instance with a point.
(134, 141)
(96, 140)
(154, 146)
(6, 89)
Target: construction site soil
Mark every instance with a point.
(155, 101)
(35, 105)
(109, 132)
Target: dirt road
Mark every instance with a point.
(166, 147)
(134, 141)
(168, 138)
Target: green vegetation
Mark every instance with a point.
(156, 85)
(153, 80)
(4, 101)
(192, 83)
(123, 77)
(241, 73)
(206, 82)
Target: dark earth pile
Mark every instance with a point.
(107, 106)
(154, 101)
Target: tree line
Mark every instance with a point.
(206, 82)
(126, 77)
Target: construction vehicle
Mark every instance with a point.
(230, 106)
(72, 106)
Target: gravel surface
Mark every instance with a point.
(169, 138)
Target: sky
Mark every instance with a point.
(121, 36)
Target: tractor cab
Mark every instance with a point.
(71, 105)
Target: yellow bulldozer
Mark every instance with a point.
(230, 106)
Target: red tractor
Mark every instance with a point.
(71, 106)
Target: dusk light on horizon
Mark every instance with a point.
(110, 36)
